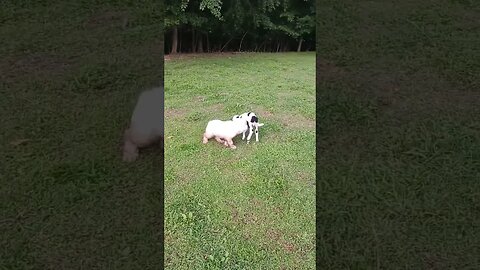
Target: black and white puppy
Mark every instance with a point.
(252, 122)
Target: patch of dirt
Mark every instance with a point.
(422, 92)
(177, 56)
(248, 218)
(276, 237)
(262, 112)
(200, 98)
(288, 120)
(215, 108)
(33, 65)
(305, 176)
(296, 121)
(175, 113)
(434, 262)
(327, 70)
(401, 95)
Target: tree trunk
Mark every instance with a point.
(240, 47)
(174, 40)
(299, 48)
(226, 44)
(193, 40)
(200, 43)
(180, 44)
(278, 46)
(208, 44)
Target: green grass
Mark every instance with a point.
(399, 136)
(253, 207)
(69, 77)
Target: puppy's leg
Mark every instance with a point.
(230, 143)
(250, 134)
(130, 150)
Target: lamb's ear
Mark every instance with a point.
(260, 125)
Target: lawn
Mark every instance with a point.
(399, 134)
(70, 72)
(253, 207)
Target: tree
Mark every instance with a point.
(251, 25)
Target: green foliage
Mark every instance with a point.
(242, 21)
(213, 5)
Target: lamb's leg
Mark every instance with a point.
(230, 143)
(256, 134)
(130, 150)
(205, 138)
(250, 134)
(218, 139)
(243, 135)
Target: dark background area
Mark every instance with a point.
(70, 74)
(398, 134)
(239, 25)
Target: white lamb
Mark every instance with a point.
(225, 131)
(146, 126)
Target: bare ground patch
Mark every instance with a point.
(33, 65)
(175, 113)
(263, 113)
(326, 70)
(422, 92)
(401, 94)
(295, 121)
(179, 56)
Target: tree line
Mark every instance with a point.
(239, 25)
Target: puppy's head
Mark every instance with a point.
(251, 117)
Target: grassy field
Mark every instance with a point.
(399, 134)
(253, 207)
(70, 72)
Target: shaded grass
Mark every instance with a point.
(398, 135)
(249, 208)
(70, 74)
